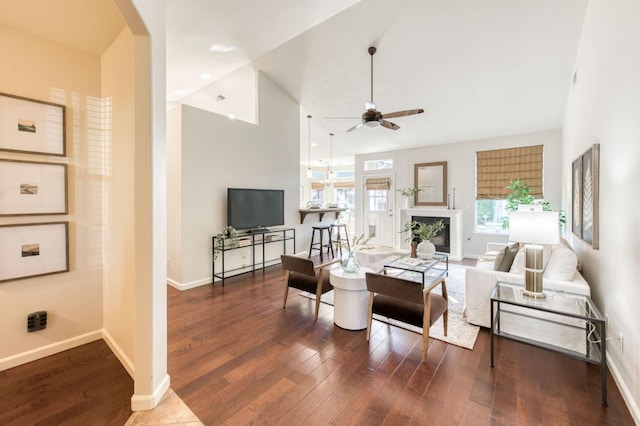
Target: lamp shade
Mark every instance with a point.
(534, 227)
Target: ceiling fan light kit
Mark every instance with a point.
(374, 118)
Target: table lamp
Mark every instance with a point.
(534, 228)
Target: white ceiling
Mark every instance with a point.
(479, 68)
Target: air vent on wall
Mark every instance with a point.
(36, 321)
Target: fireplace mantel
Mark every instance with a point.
(455, 226)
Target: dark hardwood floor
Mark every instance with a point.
(236, 357)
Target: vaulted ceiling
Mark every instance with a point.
(479, 68)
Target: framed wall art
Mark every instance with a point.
(29, 125)
(590, 195)
(32, 188)
(33, 249)
(576, 197)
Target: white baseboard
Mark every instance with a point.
(189, 285)
(45, 351)
(624, 390)
(149, 402)
(118, 352)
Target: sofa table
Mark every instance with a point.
(558, 312)
(350, 298)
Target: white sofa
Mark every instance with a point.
(561, 274)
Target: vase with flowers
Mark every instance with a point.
(409, 194)
(420, 235)
(350, 262)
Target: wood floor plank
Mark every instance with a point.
(235, 356)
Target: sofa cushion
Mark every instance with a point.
(504, 258)
(562, 265)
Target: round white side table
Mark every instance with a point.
(350, 298)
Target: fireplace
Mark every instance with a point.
(453, 217)
(442, 240)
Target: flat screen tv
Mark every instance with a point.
(255, 209)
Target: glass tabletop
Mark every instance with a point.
(426, 271)
(558, 302)
(408, 263)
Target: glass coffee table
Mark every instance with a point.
(537, 321)
(425, 271)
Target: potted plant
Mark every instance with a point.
(229, 236)
(521, 195)
(409, 194)
(420, 235)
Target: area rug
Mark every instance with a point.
(460, 332)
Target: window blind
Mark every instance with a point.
(496, 168)
(380, 184)
(344, 185)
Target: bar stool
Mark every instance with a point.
(339, 239)
(319, 245)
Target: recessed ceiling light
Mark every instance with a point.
(231, 117)
(313, 144)
(179, 92)
(221, 48)
(205, 76)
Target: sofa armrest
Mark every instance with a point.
(479, 283)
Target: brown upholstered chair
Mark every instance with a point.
(303, 275)
(406, 301)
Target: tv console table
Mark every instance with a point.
(251, 240)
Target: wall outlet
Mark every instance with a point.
(620, 339)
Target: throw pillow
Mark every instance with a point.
(505, 257)
(562, 265)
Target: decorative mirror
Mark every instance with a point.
(431, 178)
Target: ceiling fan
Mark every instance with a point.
(372, 117)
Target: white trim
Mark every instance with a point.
(118, 352)
(626, 393)
(149, 402)
(52, 349)
(189, 285)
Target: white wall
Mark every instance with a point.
(460, 158)
(118, 92)
(604, 107)
(44, 70)
(218, 153)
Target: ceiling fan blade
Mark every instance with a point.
(389, 125)
(342, 118)
(355, 127)
(403, 113)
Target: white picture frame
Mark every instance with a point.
(33, 126)
(33, 249)
(32, 188)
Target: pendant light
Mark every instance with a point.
(331, 179)
(309, 172)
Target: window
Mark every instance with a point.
(378, 164)
(377, 201)
(494, 171)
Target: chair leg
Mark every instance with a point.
(369, 316)
(425, 344)
(445, 320)
(286, 289)
(318, 296)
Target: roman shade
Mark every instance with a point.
(377, 184)
(344, 185)
(317, 185)
(496, 168)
